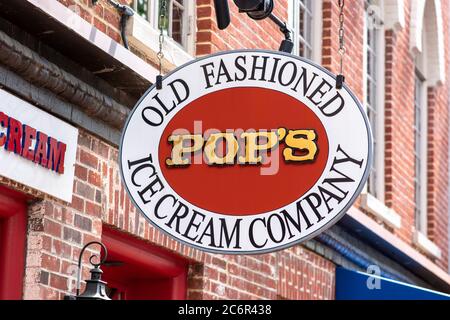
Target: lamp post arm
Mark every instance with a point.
(90, 260)
(286, 45)
(283, 26)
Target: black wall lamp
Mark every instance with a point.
(95, 287)
(257, 10)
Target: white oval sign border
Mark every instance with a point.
(307, 237)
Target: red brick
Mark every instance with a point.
(49, 262)
(52, 228)
(93, 209)
(95, 178)
(58, 282)
(100, 25)
(77, 203)
(88, 159)
(62, 249)
(81, 172)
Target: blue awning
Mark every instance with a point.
(353, 285)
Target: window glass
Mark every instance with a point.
(141, 7)
(305, 28)
(372, 103)
(418, 152)
(305, 20)
(374, 60)
(176, 23)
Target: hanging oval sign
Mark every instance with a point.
(246, 152)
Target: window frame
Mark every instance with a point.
(379, 154)
(316, 25)
(188, 36)
(427, 53)
(421, 225)
(421, 71)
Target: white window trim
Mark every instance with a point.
(144, 34)
(417, 19)
(189, 34)
(380, 210)
(365, 222)
(146, 38)
(369, 202)
(188, 14)
(418, 14)
(293, 12)
(424, 159)
(379, 153)
(394, 14)
(421, 236)
(71, 20)
(426, 245)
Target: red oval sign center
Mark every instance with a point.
(250, 188)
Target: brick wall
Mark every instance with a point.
(399, 137)
(103, 16)
(399, 112)
(57, 231)
(304, 275)
(353, 60)
(243, 32)
(438, 124)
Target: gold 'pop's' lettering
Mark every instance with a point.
(211, 148)
(179, 149)
(301, 146)
(252, 146)
(302, 140)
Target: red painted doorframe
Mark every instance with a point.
(13, 230)
(146, 272)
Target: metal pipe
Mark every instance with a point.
(125, 13)
(286, 45)
(222, 13)
(277, 21)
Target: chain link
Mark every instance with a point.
(161, 22)
(160, 55)
(342, 49)
(340, 79)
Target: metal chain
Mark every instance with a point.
(342, 49)
(160, 54)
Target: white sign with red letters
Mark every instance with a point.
(36, 149)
